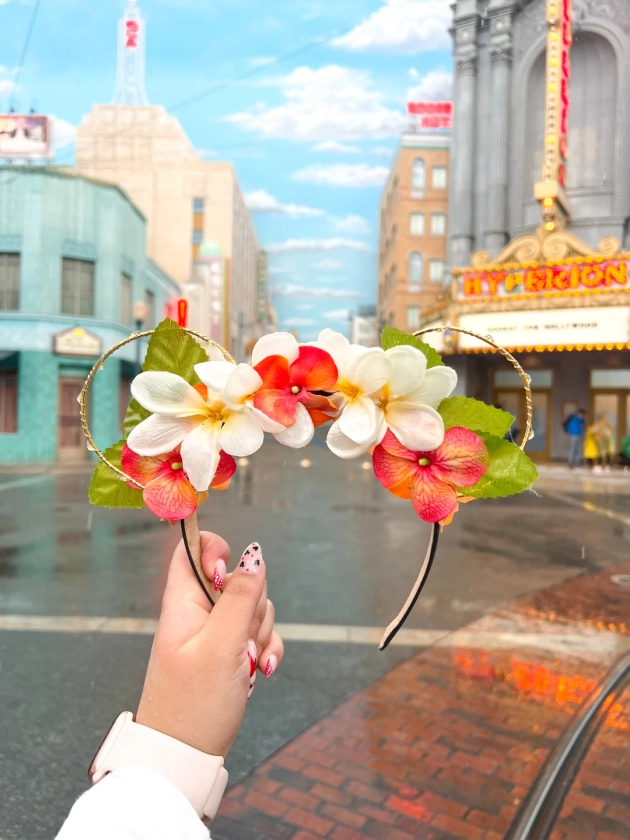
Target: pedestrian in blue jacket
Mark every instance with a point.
(575, 426)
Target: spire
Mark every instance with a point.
(130, 88)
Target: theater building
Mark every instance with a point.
(539, 209)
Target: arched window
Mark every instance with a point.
(592, 117)
(418, 176)
(416, 270)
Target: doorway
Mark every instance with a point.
(513, 400)
(615, 406)
(71, 445)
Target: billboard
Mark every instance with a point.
(24, 136)
(426, 115)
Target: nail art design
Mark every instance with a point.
(253, 662)
(272, 664)
(250, 560)
(219, 575)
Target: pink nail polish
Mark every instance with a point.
(220, 571)
(252, 653)
(249, 563)
(272, 664)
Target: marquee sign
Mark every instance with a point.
(431, 114)
(534, 279)
(550, 190)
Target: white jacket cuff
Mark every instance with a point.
(133, 803)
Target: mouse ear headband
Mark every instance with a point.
(193, 409)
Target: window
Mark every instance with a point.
(9, 281)
(416, 270)
(77, 287)
(438, 224)
(417, 177)
(197, 237)
(8, 401)
(126, 299)
(413, 317)
(149, 299)
(439, 178)
(436, 271)
(416, 224)
(199, 205)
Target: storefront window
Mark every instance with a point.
(610, 379)
(8, 401)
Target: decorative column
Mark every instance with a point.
(496, 232)
(463, 142)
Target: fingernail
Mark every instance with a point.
(272, 664)
(220, 571)
(249, 563)
(252, 653)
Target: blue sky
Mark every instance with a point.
(311, 136)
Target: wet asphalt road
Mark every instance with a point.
(339, 550)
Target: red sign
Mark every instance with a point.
(432, 114)
(182, 312)
(132, 32)
(548, 279)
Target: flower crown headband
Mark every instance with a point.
(194, 409)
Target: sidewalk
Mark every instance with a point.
(445, 746)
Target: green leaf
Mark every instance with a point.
(107, 489)
(173, 350)
(510, 471)
(475, 415)
(170, 349)
(135, 414)
(392, 337)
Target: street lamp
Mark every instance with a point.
(140, 310)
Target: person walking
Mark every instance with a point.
(604, 434)
(575, 426)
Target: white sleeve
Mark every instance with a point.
(133, 803)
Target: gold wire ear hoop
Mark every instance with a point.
(525, 379)
(98, 366)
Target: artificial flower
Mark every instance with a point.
(290, 374)
(197, 418)
(430, 479)
(167, 491)
(385, 389)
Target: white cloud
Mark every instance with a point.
(6, 87)
(334, 146)
(206, 153)
(343, 174)
(314, 245)
(260, 201)
(330, 265)
(317, 292)
(436, 86)
(304, 307)
(382, 151)
(330, 103)
(298, 322)
(402, 26)
(337, 315)
(261, 60)
(63, 132)
(353, 224)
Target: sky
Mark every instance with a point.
(306, 98)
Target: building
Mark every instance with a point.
(186, 200)
(413, 229)
(73, 263)
(539, 209)
(364, 327)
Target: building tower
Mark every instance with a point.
(130, 89)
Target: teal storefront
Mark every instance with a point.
(73, 274)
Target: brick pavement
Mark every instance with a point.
(445, 747)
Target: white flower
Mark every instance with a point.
(203, 426)
(380, 389)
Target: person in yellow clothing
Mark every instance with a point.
(604, 436)
(590, 448)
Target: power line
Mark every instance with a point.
(27, 41)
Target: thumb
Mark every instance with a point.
(238, 611)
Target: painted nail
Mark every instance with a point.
(220, 571)
(272, 664)
(249, 563)
(252, 653)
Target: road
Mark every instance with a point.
(341, 553)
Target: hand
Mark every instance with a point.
(198, 679)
